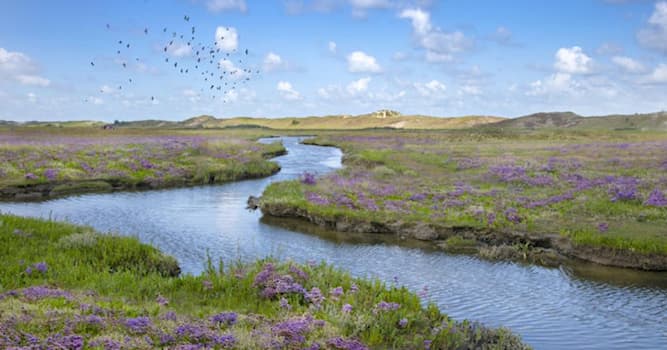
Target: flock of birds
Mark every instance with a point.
(219, 72)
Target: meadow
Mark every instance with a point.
(598, 196)
(68, 287)
(47, 162)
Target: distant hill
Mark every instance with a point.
(379, 119)
(568, 120)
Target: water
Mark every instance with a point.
(581, 306)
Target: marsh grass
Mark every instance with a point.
(67, 286)
(544, 182)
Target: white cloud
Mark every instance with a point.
(431, 88)
(654, 36)
(231, 96)
(628, 64)
(556, 83)
(96, 100)
(573, 61)
(359, 7)
(18, 66)
(273, 62)
(332, 47)
(32, 97)
(191, 95)
(179, 49)
(360, 62)
(287, 91)
(33, 80)
(440, 46)
(609, 49)
(232, 71)
(659, 74)
(223, 5)
(502, 36)
(106, 89)
(469, 89)
(226, 38)
(421, 20)
(358, 86)
(15, 62)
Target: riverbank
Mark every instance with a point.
(36, 166)
(65, 285)
(537, 198)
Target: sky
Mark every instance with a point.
(60, 60)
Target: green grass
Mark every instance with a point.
(117, 278)
(437, 163)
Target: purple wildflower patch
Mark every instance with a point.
(656, 199)
(224, 318)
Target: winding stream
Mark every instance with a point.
(579, 306)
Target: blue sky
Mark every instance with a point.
(319, 57)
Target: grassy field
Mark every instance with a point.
(39, 162)
(68, 287)
(595, 189)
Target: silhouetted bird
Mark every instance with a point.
(186, 18)
(108, 26)
(92, 63)
(145, 30)
(246, 51)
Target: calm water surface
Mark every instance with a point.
(574, 307)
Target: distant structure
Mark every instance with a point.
(386, 113)
(108, 127)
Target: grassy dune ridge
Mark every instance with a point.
(69, 287)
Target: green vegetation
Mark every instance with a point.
(596, 189)
(45, 162)
(69, 287)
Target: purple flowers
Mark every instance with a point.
(346, 344)
(162, 300)
(603, 227)
(336, 292)
(224, 318)
(308, 179)
(315, 296)
(284, 304)
(39, 267)
(273, 284)
(316, 198)
(31, 176)
(402, 323)
(623, 189)
(51, 174)
(293, 331)
(656, 199)
(138, 325)
(512, 215)
(384, 306)
(346, 309)
(41, 292)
